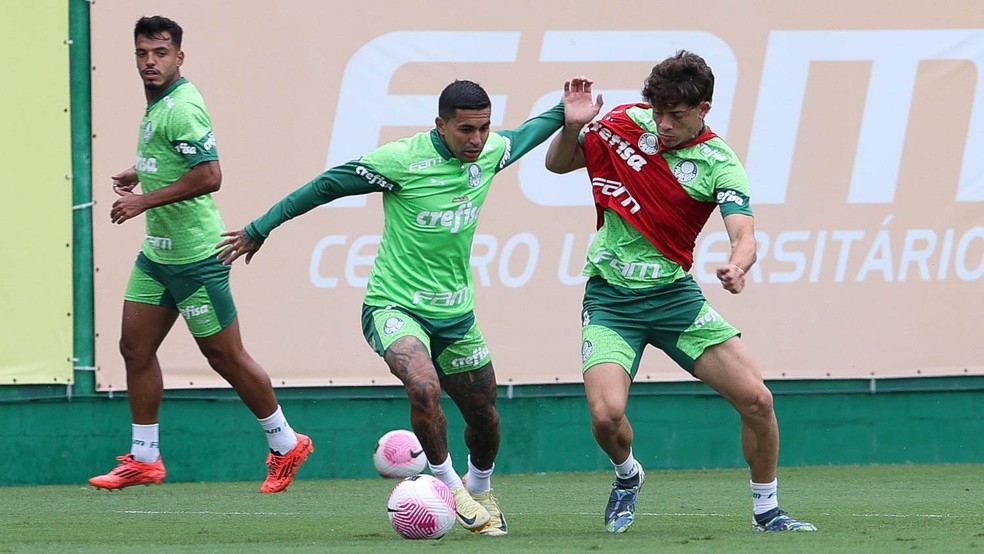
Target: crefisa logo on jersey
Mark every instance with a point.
(649, 143)
(474, 175)
(148, 131)
(685, 171)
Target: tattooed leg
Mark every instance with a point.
(410, 362)
(474, 393)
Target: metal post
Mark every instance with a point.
(81, 120)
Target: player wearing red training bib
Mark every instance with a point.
(657, 172)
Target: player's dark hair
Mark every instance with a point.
(156, 26)
(461, 95)
(684, 78)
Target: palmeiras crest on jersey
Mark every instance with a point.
(685, 171)
(392, 325)
(148, 131)
(648, 143)
(474, 175)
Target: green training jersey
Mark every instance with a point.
(176, 135)
(708, 172)
(431, 206)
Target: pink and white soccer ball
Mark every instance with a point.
(421, 507)
(398, 454)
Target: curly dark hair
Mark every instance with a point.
(684, 78)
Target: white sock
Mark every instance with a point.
(445, 472)
(765, 496)
(279, 434)
(626, 469)
(479, 480)
(146, 446)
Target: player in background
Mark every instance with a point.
(176, 273)
(657, 172)
(418, 311)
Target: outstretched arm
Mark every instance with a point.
(564, 154)
(347, 179)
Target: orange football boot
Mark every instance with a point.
(282, 469)
(131, 472)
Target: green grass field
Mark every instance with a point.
(867, 509)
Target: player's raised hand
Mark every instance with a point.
(579, 106)
(237, 245)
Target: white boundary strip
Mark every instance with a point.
(684, 514)
(589, 514)
(178, 512)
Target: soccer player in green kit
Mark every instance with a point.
(176, 273)
(418, 308)
(657, 172)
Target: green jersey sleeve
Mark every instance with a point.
(531, 134)
(348, 179)
(190, 133)
(731, 190)
(718, 175)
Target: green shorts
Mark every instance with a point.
(199, 291)
(456, 345)
(618, 323)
